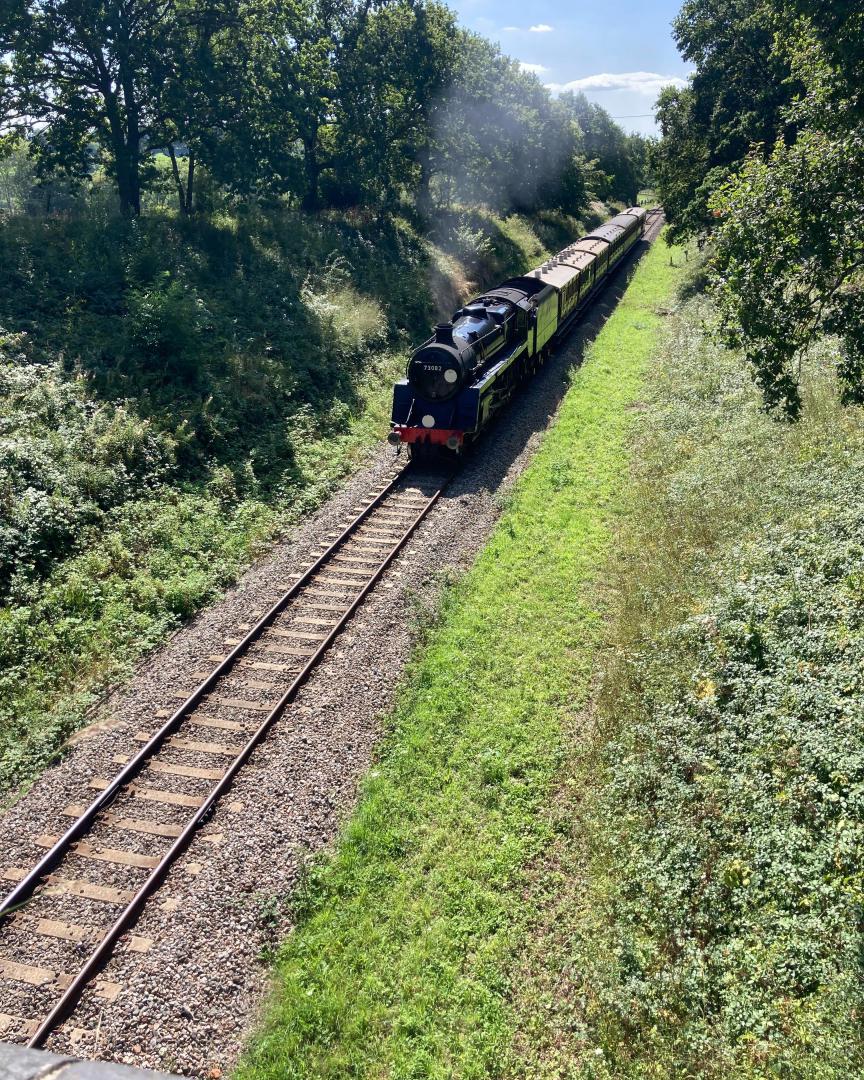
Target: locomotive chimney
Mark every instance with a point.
(444, 333)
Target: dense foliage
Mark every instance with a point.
(201, 323)
(701, 910)
(734, 101)
(326, 102)
(745, 892)
(789, 259)
(66, 461)
(764, 150)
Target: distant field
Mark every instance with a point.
(402, 963)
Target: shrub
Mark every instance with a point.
(65, 460)
(708, 917)
(168, 324)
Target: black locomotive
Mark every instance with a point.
(458, 379)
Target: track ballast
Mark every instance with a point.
(89, 888)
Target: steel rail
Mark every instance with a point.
(27, 886)
(101, 953)
(81, 825)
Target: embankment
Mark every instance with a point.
(172, 395)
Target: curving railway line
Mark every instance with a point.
(64, 917)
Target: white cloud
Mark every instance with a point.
(532, 69)
(636, 82)
(540, 28)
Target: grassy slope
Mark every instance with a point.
(702, 901)
(139, 571)
(253, 358)
(401, 962)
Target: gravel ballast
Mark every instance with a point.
(186, 1004)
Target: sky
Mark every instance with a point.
(618, 53)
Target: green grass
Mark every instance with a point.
(700, 908)
(401, 964)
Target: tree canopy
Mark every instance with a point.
(764, 153)
(322, 102)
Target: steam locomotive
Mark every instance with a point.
(460, 378)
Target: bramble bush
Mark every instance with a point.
(739, 910)
(151, 563)
(65, 461)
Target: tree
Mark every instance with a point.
(837, 28)
(204, 95)
(765, 151)
(619, 158)
(680, 161)
(789, 251)
(500, 138)
(736, 100)
(312, 54)
(125, 75)
(77, 71)
(392, 89)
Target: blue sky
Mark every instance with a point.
(619, 53)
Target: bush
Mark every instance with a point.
(168, 324)
(66, 460)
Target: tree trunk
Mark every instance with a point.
(185, 192)
(132, 133)
(130, 200)
(133, 161)
(190, 183)
(178, 180)
(125, 158)
(424, 191)
(311, 201)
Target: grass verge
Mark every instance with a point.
(401, 963)
(701, 907)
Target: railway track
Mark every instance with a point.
(64, 917)
(655, 220)
(87, 891)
